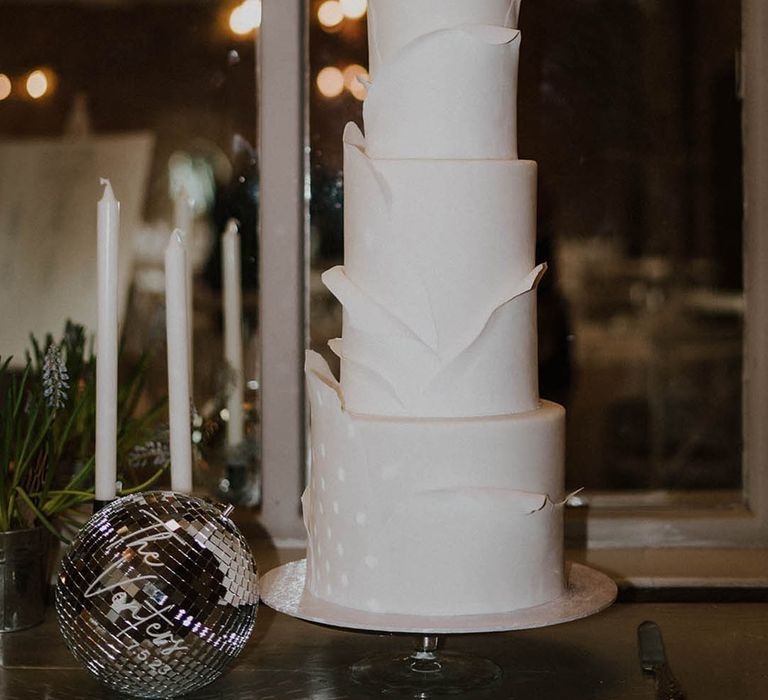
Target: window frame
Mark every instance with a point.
(283, 270)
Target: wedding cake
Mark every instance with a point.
(437, 472)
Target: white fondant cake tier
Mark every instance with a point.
(395, 23)
(397, 375)
(440, 517)
(437, 278)
(461, 80)
(440, 244)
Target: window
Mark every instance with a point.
(160, 98)
(653, 262)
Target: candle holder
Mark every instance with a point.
(241, 482)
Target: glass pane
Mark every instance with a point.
(338, 55)
(160, 98)
(631, 110)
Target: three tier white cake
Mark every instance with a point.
(437, 472)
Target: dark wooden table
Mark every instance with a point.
(718, 651)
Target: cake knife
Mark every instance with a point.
(653, 659)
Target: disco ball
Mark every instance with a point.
(157, 594)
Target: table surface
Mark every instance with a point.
(718, 652)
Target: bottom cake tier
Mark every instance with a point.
(432, 516)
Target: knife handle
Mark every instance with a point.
(667, 687)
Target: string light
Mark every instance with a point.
(330, 82)
(5, 86)
(37, 84)
(245, 17)
(351, 82)
(354, 9)
(330, 13)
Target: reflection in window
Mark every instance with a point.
(178, 78)
(631, 110)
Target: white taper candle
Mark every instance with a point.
(233, 334)
(108, 229)
(178, 369)
(184, 221)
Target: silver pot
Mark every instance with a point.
(23, 584)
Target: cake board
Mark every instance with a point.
(588, 592)
(426, 672)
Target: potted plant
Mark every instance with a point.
(47, 433)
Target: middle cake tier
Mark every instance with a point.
(420, 338)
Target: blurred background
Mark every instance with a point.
(630, 107)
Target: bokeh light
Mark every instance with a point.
(351, 82)
(5, 86)
(330, 82)
(245, 17)
(37, 84)
(330, 14)
(354, 9)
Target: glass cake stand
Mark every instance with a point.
(428, 672)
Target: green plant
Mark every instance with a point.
(48, 423)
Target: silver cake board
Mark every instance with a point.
(588, 592)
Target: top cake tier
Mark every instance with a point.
(444, 79)
(393, 24)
